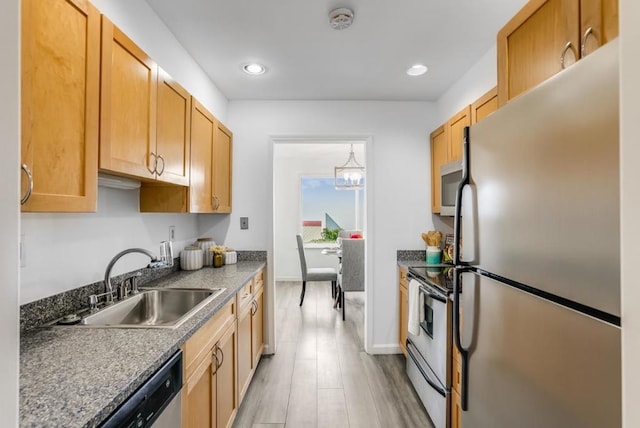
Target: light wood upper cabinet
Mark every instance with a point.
(173, 139)
(484, 106)
(222, 161)
(203, 129)
(439, 156)
(455, 131)
(60, 95)
(128, 106)
(546, 36)
(598, 23)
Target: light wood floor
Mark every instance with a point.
(320, 375)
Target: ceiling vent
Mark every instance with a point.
(340, 18)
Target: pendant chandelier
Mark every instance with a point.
(350, 175)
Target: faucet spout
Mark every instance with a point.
(107, 273)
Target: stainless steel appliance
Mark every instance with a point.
(450, 176)
(429, 352)
(538, 286)
(157, 403)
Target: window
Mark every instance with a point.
(324, 207)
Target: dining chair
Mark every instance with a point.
(314, 274)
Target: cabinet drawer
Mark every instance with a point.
(199, 345)
(245, 295)
(258, 281)
(402, 277)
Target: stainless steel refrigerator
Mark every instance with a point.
(537, 289)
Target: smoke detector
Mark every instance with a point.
(340, 18)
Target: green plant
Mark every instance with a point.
(330, 235)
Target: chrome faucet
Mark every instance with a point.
(107, 273)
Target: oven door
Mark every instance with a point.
(434, 341)
(433, 394)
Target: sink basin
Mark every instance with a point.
(153, 308)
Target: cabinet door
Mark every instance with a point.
(257, 327)
(173, 132)
(244, 352)
(226, 397)
(403, 327)
(202, 134)
(532, 43)
(60, 95)
(199, 396)
(439, 156)
(455, 131)
(484, 106)
(128, 106)
(456, 410)
(598, 23)
(222, 162)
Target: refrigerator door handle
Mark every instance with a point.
(458, 208)
(464, 353)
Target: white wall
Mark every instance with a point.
(9, 209)
(472, 85)
(398, 176)
(630, 209)
(65, 251)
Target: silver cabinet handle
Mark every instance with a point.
(216, 202)
(162, 170)
(254, 306)
(567, 47)
(221, 360)
(583, 48)
(155, 163)
(27, 171)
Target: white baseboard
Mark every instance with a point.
(385, 349)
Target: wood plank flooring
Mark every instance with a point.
(320, 375)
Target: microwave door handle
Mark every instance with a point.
(457, 337)
(458, 207)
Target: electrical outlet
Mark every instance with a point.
(172, 233)
(244, 222)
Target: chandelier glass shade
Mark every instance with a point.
(350, 175)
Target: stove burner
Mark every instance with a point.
(440, 276)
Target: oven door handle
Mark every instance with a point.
(433, 295)
(433, 384)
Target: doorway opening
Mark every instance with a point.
(306, 203)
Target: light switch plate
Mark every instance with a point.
(244, 222)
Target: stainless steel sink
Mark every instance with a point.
(153, 308)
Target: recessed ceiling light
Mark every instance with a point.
(254, 69)
(417, 70)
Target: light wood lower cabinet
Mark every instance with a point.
(456, 410)
(60, 105)
(404, 305)
(257, 327)
(226, 397)
(244, 350)
(209, 394)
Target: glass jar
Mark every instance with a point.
(218, 260)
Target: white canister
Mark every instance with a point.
(230, 257)
(207, 255)
(191, 258)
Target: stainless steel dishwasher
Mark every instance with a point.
(157, 403)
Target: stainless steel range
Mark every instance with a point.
(429, 351)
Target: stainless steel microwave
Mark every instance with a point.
(450, 176)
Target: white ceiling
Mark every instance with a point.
(307, 59)
(335, 151)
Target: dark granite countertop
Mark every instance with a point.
(76, 376)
